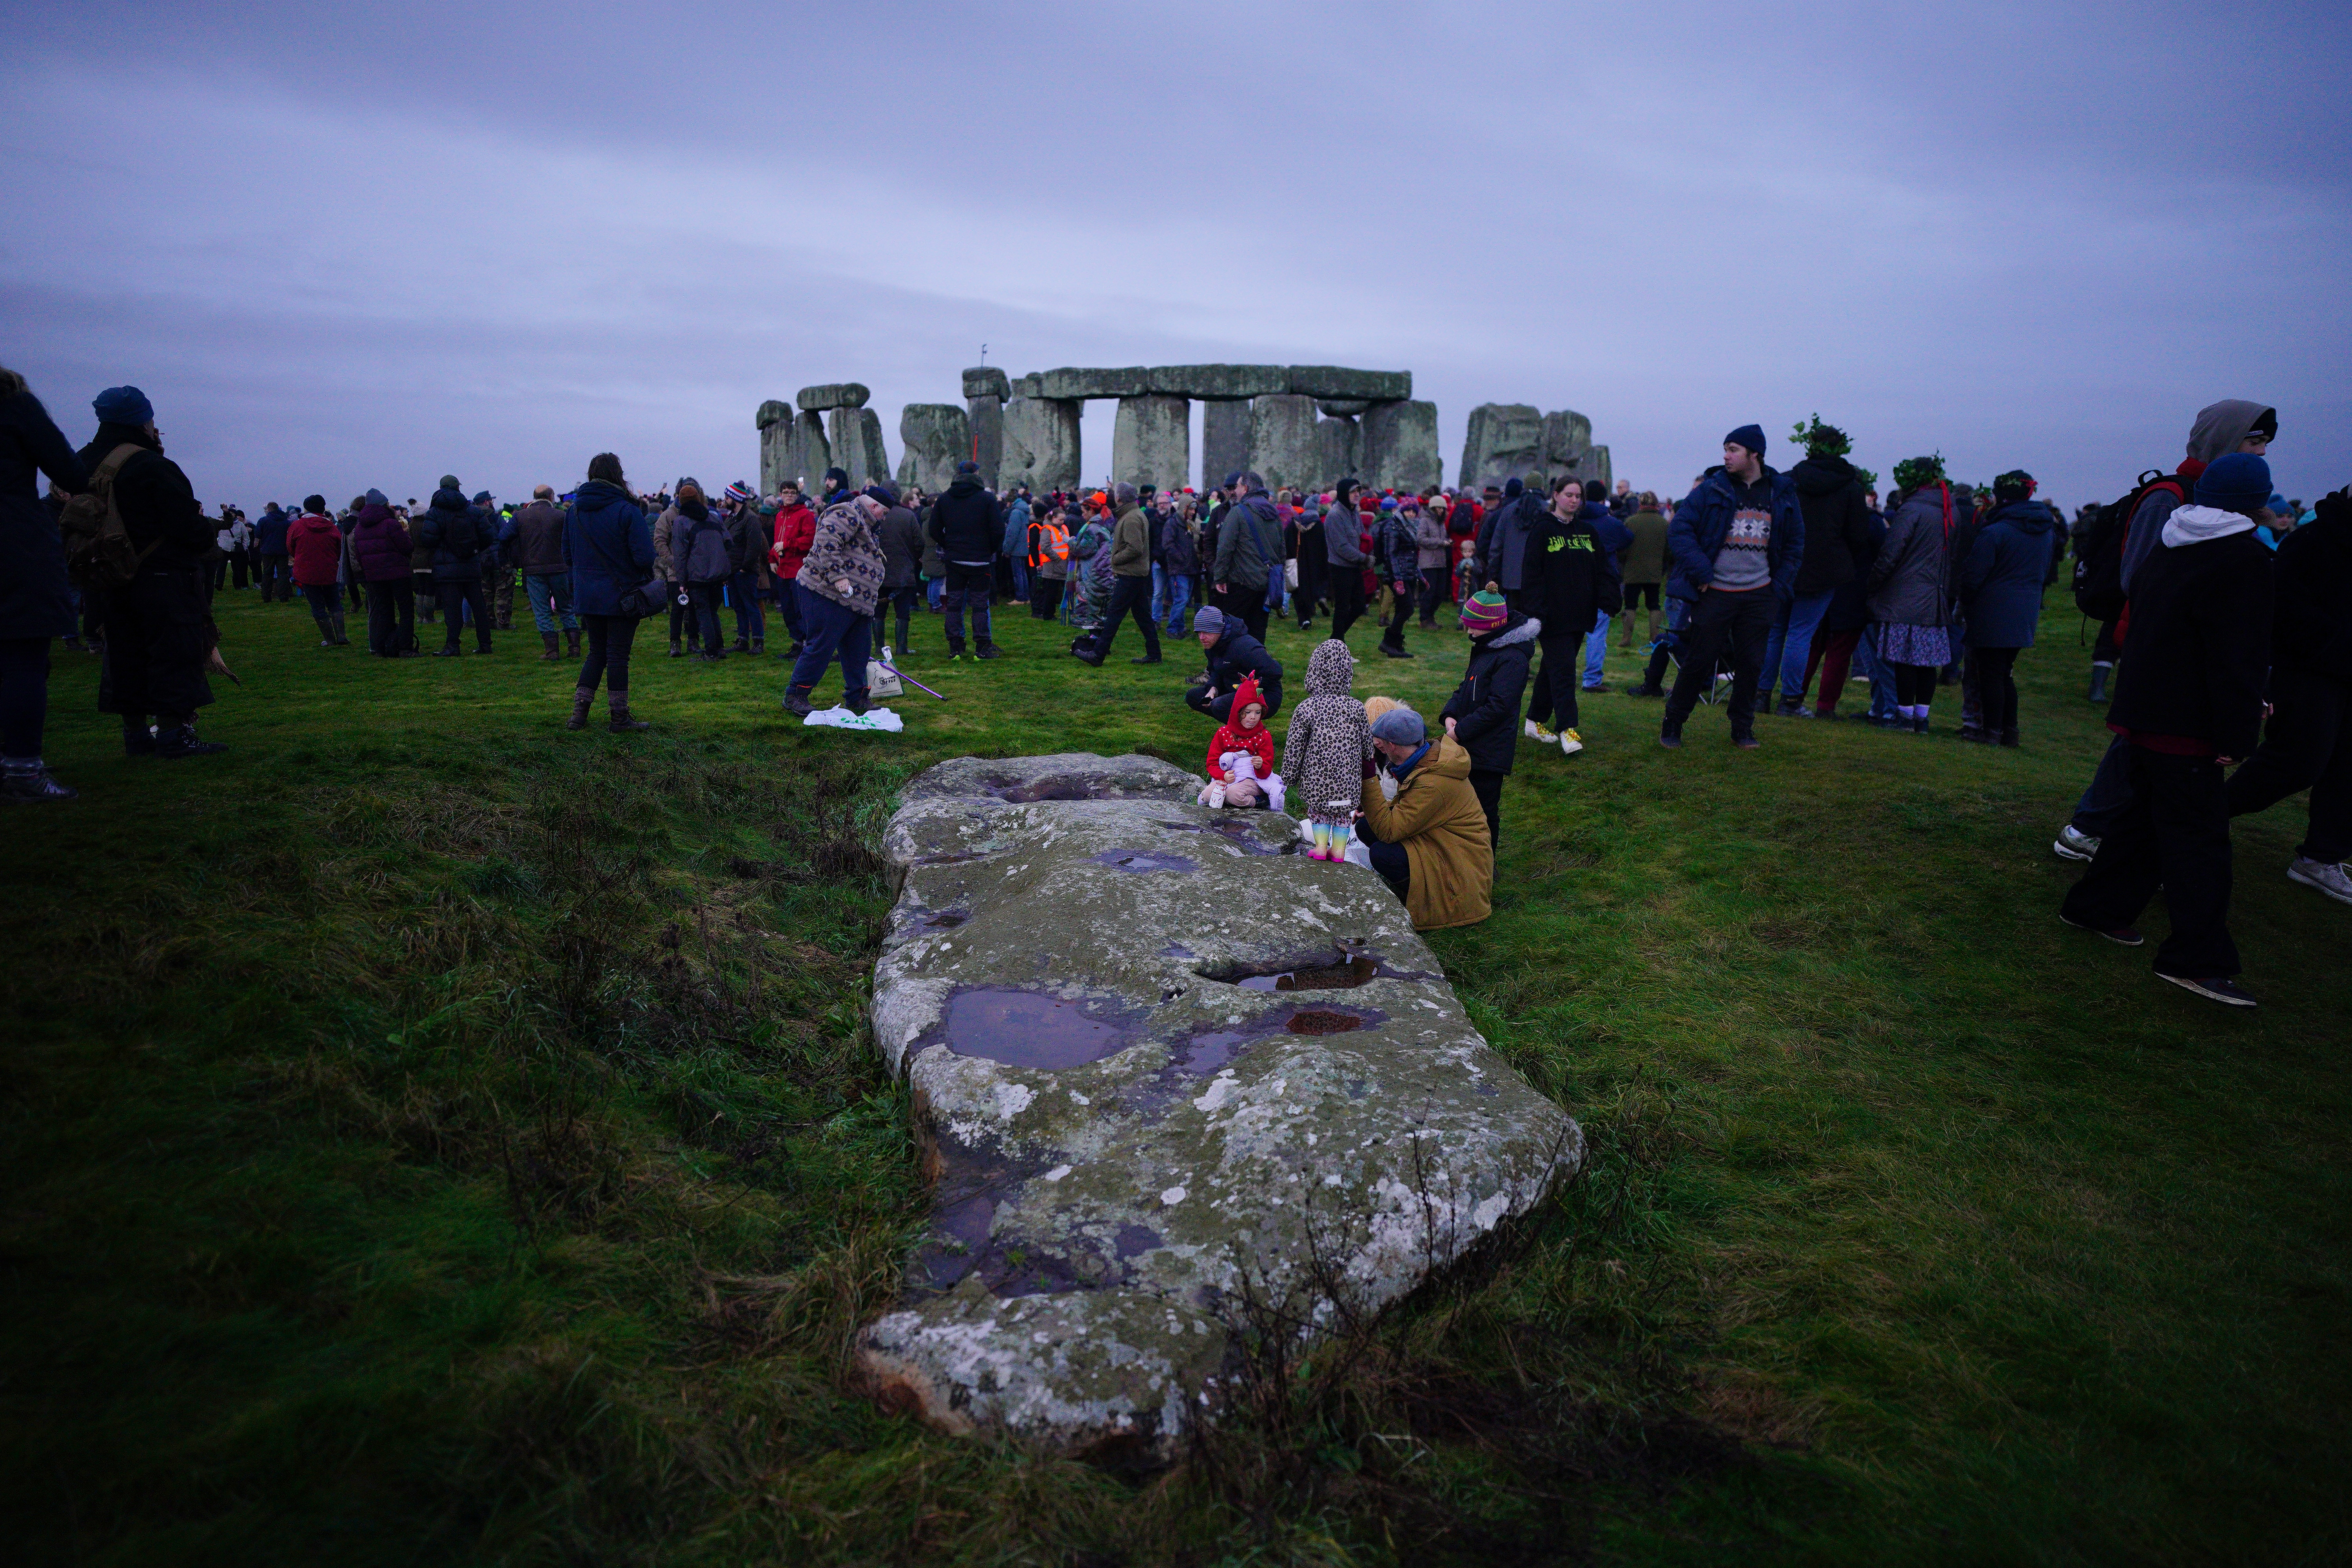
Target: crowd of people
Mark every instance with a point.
(2224, 593)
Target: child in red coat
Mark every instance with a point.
(1241, 753)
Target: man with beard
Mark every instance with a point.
(158, 635)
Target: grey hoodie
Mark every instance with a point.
(2219, 427)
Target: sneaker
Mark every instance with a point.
(172, 744)
(2074, 844)
(1745, 743)
(2222, 989)
(1571, 742)
(990, 650)
(1643, 688)
(1538, 733)
(1145, 659)
(2122, 936)
(36, 785)
(1671, 738)
(2328, 878)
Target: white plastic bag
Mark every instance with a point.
(879, 719)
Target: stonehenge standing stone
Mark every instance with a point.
(1505, 442)
(1567, 438)
(933, 439)
(1339, 452)
(1040, 444)
(1164, 1067)
(1225, 442)
(987, 418)
(1401, 446)
(792, 447)
(1152, 443)
(1283, 446)
(856, 442)
(1597, 465)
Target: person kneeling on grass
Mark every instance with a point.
(1430, 843)
(1483, 714)
(1241, 753)
(1233, 654)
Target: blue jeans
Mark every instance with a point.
(829, 629)
(743, 592)
(1880, 674)
(550, 599)
(1180, 596)
(1020, 579)
(1596, 643)
(1791, 648)
(935, 589)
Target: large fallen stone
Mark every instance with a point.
(1131, 382)
(1503, 441)
(1401, 446)
(855, 437)
(1040, 444)
(1214, 382)
(1225, 442)
(1335, 381)
(1165, 1072)
(933, 439)
(832, 396)
(1284, 445)
(1151, 442)
(985, 381)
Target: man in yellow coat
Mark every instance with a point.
(1431, 842)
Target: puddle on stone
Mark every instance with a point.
(1241, 831)
(946, 921)
(1322, 1021)
(1344, 976)
(1027, 1029)
(1203, 1055)
(1134, 1240)
(1141, 860)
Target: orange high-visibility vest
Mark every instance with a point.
(1052, 543)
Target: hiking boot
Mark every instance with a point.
(796, 702)
(1920, 725)
(1832, 714)
(551, 656)
(1791, 708)
(447, 653)
(1644, 689)
(1088, 657)
(759, 645)
(34, 784)
(990, 650)
(2328, 878)
(1671, 737)
(580, 701)
(1146, 658)
(1748, 742)
(174, 744)
(676, 648)
(2074, 844)
(138, 739)
(2009, 736)
(571, 642)
(1394, 651)
(621, 722)
(2099, 683)
(740, 645)
(1571, 742)
(1979, 737)
(2220, 988)
(2122, 936)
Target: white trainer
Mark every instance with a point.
(2074, 844)
(2328, 878)
(1571, 742)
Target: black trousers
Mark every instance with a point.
(1313, 580)
(392, 617)
(1996, 686)
(2175, 835)
(901, 601)
(1249, 603)
(1129, 596)
(1740, 624)
(969, 588)
(276, 578)
(1487, 786)
(2307, 745)
(1045, 596)
(157, 639)
(1552, 703)
(455, 593)
(1400, 597)
(1347, 598)
(1432, 593)
(609, 637)
(326, 602)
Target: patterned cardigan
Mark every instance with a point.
(845, 547)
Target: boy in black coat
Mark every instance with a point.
(1483, 714)
(2189, 702)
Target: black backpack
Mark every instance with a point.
(2099, 554)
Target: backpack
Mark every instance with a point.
(99, 551)
(707, 559)
(2099, 554)
(463, 544)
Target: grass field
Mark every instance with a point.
(431, 1136)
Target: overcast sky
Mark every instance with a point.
(342, 246)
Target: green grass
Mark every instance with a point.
(431, 1136)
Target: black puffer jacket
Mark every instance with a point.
(2312, 631)
(963, 522)
(1237, 654)
(33, 598)
(2200, 644)
(1485, 707)
(456, 534)
(1837, 523)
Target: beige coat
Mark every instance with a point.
(1437, 818)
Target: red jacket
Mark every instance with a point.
(795, 531)
(317, 546)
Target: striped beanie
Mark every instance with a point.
(1484, 612)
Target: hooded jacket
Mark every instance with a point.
(1130, 543)
(457, 534)
(963, 523)
(902, 547)
(380, 546)
(2218, 430)
(316, 547)
(269, 530)
(1449, 851)
(1837, 522)
(1329, 741)
(1236, 654)
(1910, 582)
(609, 545)
(1485, 707)
(1231, 736)
(1702, 523)
(1342, 534)
(2002, 581)
(2200, 643)
(1644, 559)
(1250, 538)
(1017, 529)
(795, 530)
(1502, 540)
(1180, 551)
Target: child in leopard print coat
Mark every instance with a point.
(1323, 756)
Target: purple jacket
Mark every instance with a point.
(380, 545)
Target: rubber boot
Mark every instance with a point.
(621, 723)
(581, 699)
(571, 641)
(551, 656)
(340, 640)
(2099, 682)
(2009, 736)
